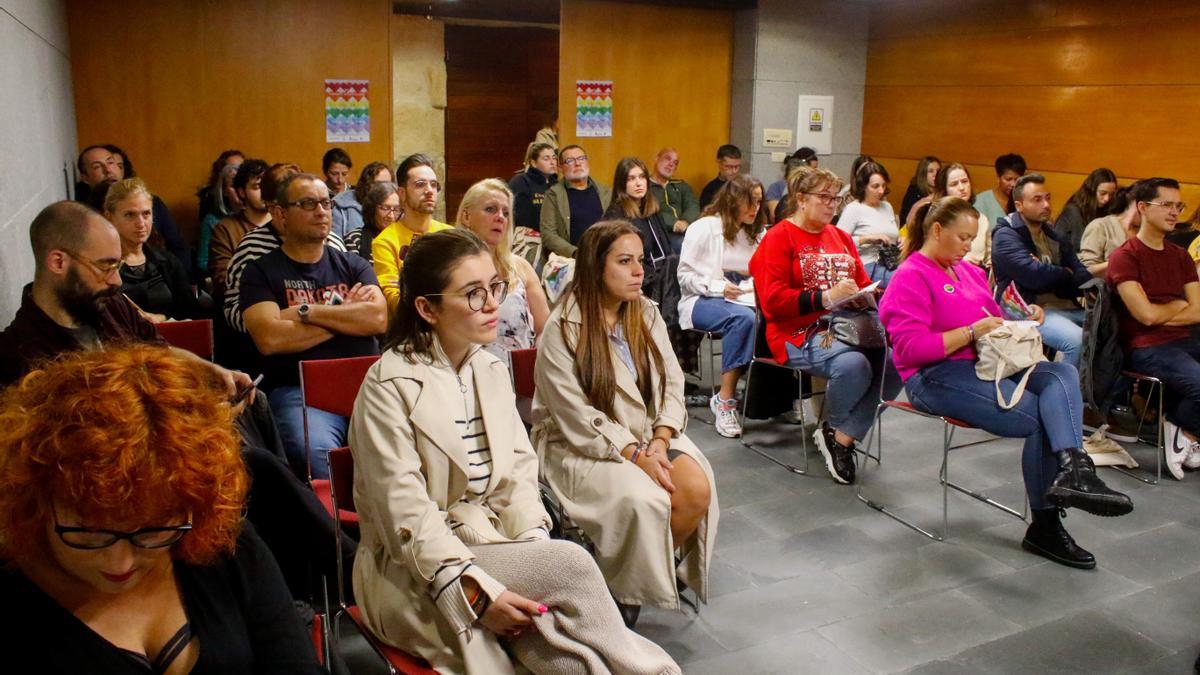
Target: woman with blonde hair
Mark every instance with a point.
(803, 268)
(153, 279)
(608, 426)
(486, 210)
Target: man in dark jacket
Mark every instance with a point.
(675, 197)
(1028, 252)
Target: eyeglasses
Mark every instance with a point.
(477, 297)
(1177, 207)
(420, 185)
(574, 160)
(309, 204)
(824, 198)
(391, 210)
(104, 267)
(91, 539)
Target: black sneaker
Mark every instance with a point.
(838, 458)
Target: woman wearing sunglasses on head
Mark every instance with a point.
(455, 563)
(122, 527)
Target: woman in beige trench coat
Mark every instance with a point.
(454, 563)
(619, 462)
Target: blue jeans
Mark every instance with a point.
(1177, 364)
(1063, 332)
(852, 391)
(734, 322)
(325, 430)
(1049, 415)
(879, 273)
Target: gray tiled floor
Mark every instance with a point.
(809, 580)
(806, 579)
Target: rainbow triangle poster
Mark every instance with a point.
(347, 111)
(593, 108)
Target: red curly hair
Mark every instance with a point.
(129, 438)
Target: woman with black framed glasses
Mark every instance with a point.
(803, 269)
(122, 529)
(455, 562)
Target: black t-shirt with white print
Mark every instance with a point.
(279, 279)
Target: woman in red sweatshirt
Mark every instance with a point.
(802, 267)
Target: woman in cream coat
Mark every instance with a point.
(454, 563)
(617, 459)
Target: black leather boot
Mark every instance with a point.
(1077, 485)
(1048, 538)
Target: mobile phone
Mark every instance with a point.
(242, 394)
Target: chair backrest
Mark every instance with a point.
(341, 479)
(332, 384)
(196, 336)
(522, 362)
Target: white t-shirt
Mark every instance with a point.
(736, 257)
(858, 219)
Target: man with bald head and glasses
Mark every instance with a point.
(307, 301)
(74, 301)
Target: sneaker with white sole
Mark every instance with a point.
(1176, 448)
(1193, 458)
(839, 459)
(725, 413)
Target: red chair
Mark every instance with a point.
(341, 481)
(522, 362)
(196, 336)
(331, 385)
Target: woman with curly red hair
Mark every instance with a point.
(121, 495)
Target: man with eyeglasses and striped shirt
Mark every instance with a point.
(307, 301)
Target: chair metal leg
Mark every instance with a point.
(943, 478)
(767, 456)
(714, 378)
(1159, 449)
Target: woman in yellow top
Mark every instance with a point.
(419, 189)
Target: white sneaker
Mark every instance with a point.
(726, 416)
(1176, 449)
(1193, 458)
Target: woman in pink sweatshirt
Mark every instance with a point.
(934, 309)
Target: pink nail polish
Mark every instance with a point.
(542, 609)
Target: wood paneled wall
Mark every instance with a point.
(1072, 85)
(174, 82)
(671, 73)
(501, 86)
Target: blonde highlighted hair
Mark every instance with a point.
(502, 254)
(122, 190)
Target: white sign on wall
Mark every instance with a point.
(814, 123)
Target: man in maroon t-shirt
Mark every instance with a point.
(1160, 303)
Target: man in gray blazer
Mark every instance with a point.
(571, 205)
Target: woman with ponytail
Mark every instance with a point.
(934, 310)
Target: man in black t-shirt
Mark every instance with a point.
(729, 165)
(306, 301)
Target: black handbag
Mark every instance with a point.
(856, 327)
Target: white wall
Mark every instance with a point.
(783, 49)
(37, 131)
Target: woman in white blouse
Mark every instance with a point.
(717, 292)
(870, 220)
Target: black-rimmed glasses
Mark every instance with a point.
(310, 204)
(90, 539)
(477, 297)
(824, 198)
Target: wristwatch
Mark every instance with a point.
(303, 312)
